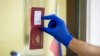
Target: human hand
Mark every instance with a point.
(58, 29)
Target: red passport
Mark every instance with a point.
(36, 35)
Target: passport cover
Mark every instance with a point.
(36, 35)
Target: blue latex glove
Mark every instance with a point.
(58, 29)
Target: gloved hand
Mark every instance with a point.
(58, 29)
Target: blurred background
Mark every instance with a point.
(81, 16)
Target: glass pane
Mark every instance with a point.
(15, 26)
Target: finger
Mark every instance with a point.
(47, 30)
(48, 17)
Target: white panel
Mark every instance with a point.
(95, 22)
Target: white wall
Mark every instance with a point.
(11, 26)
(93, 22)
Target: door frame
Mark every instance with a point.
(76, 20)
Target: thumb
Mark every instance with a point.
(47, 30)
